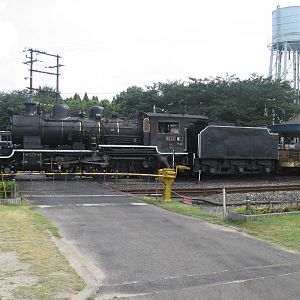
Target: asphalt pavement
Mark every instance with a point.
(148, 253)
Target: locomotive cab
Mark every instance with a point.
(169, 131)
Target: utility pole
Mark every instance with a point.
(33, 70)
(30, 63)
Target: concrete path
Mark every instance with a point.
(148, 253)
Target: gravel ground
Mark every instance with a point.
(284, 196)
(222, 182)
(186, 182)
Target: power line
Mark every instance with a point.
(91, 93)
(33, 70)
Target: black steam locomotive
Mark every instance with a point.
(60, 143)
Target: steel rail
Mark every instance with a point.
(216, 190)
(240, 203)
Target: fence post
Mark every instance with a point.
(248, 204)
(156, 189)
(14, 189)
(224, 204)
(199, 175)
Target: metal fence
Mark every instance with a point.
(11, 201)
(40, 184)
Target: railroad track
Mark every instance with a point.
(214, 190)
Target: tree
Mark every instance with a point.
(131, 101)
(76, 97)
(85, 97)
(46, 96)
(243, 102)
(10, 103)
(172, 96)
(256, 101)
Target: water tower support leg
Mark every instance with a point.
(285, 60)
(271, 63)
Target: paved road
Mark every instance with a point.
(150, 253)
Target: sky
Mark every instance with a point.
(107, 46)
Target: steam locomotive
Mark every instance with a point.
(60, 143)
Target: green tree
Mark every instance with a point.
(131, 101)
(76, 96)
(256, 101)
(10, 103)
(47, 97)
(85, 97)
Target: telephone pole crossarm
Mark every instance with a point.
(32, 60)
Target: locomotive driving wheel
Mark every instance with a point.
(6, 173)
(135, 166)
(151, 164)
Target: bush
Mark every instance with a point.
(267, 210)
(6, 186)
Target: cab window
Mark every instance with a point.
(168, 127)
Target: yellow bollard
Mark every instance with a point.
(167, 180)
(169, 176)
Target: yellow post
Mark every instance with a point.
(169, 176)
(167, 180)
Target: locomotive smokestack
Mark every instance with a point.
(30, 108)
(96, 112)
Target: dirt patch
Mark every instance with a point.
(31, 266)
(13, 275)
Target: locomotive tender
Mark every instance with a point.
(60, 143)
(235, 150)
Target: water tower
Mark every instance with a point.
(285, 47)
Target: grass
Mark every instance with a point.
(266, 210)
(6, 188)
(283, 230)
(183, 209)
(27, 233)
